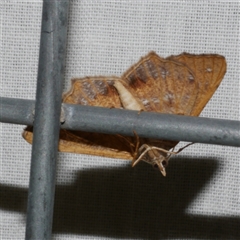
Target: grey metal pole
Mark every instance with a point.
(46, 121)
(119, 121)
(15, 110)
(152, 125)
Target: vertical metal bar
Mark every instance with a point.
(46, 122)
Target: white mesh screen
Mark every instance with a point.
(102, 198)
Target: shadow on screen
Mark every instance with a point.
(134, 203)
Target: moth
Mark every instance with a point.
(181, 84)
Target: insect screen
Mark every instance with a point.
(105, 198)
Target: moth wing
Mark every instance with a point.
(180, 84)
(88, 143)
(209, 70)
(162, 85)
(93, 91)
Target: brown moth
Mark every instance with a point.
(180, 84)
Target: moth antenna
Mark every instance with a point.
(172, 152)
(180, 149)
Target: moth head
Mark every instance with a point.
(154, 156)
(158, 160)
(161, 164)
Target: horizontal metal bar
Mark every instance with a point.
(17, 111)
(152, 125)
(146, 124)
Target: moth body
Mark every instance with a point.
(127, 99)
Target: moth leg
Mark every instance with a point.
(134, 162)
(132, 146)
(169, 155)
(136, 145)
(144, 146)
(164, 150)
